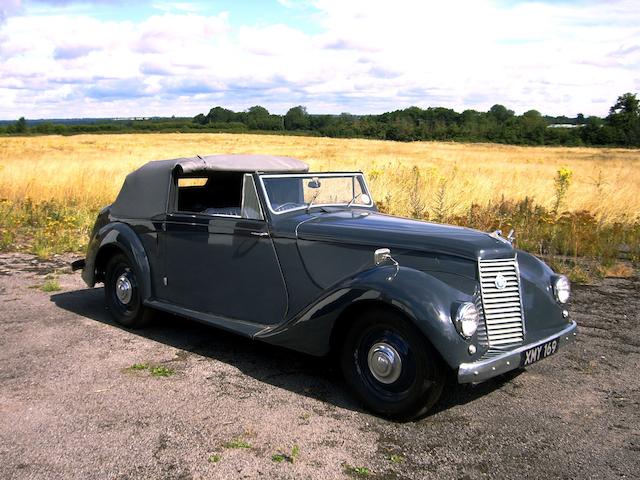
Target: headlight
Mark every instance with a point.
(561, 288)
(466, 320)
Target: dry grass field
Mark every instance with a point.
(91, 168)
(67, 179)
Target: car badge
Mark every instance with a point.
(501, 282)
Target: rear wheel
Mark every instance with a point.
(122, 293)
(390, 366)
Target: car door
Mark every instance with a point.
(222, 260)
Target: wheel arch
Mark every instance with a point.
(120, 238)
(344, 322)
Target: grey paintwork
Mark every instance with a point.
(295, 285)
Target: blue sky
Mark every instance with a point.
(243, 12)
(66, 58)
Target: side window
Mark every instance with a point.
(250, 202)
(210, 194)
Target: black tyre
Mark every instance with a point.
(390, 366)
(122, 293)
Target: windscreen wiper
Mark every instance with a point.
(312, 200)
(355, 197)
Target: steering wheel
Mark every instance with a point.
(279, 208)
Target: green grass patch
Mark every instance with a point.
(395, 459)
(154, 370)
(161, 371)
(357, 472)
(51, 285)
(139, 366)
(289, 457)
(236, 443)
(215, 458)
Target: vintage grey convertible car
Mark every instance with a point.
(256, 245)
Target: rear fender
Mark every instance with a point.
(106, 241)
(424, 299)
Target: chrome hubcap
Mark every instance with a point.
(384, 363)
(124, 289)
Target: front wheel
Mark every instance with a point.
(390, 366)
(122, 293)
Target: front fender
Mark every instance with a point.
(121, 236)
(543, 314)
(427, 301)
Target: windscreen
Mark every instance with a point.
(289, 192)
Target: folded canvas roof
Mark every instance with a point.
(145, 190)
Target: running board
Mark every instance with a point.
(240, 327)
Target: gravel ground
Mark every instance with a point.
(71, 406)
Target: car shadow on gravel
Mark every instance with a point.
(313, 377)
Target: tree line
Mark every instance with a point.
(499, 125)
(621, 127)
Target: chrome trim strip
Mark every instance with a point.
(524, 320)
(482, 370)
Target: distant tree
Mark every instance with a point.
(200, 119)
(21, 125)
(501, 113)
(624, 120)
(532, 127)
(580, 120)
(258, 118)
(297, 118)
(220, 115)
(626, 104)
(258, 111)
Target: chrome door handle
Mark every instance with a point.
(260, 234)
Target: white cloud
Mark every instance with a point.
(369, 56)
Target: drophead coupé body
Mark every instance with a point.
(258, 246)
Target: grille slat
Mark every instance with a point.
(494, 301)
(502, 307)
(506, 342)
(502, 321)
(506, 293)
(496, 316)
(489, 281)
(496, 326)
(503, 331)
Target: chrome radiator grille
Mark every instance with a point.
(500, 292)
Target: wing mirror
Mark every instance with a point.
(314, 183)
(381, 255)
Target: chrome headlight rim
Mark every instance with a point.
(561, 289)
(467, 320)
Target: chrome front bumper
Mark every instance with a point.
(485, 369)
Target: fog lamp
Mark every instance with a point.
(466, 319)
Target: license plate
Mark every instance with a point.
(535, 354)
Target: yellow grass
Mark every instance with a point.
(91, 168)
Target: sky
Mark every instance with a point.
(121, 58)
